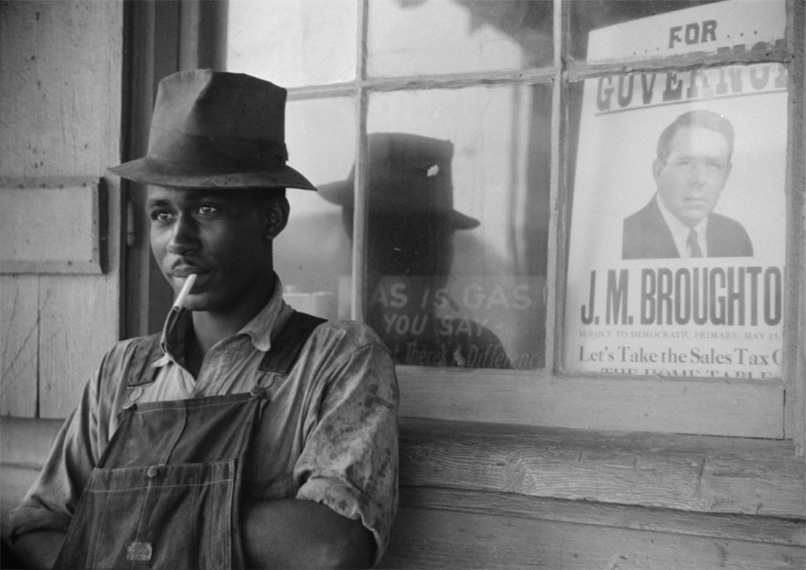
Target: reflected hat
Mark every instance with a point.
(212, 129)
(408, 175)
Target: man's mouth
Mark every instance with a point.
(696, 203)
(182, 270)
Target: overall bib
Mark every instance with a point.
(165, 493)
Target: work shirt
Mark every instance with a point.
(329, 433)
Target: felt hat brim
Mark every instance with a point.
(214, 129)
(341, 193)
(157, 172)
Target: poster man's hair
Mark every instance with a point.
(703, 119)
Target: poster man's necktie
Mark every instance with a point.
(693, 244)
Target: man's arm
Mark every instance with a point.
(297, 533)
(38, 549)
(342, 509)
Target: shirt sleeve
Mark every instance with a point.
(350, 458)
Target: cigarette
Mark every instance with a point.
(180, 299)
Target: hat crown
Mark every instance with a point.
(408, 174)
(221, 105)
(215, 129)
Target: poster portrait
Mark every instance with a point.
(677, 244)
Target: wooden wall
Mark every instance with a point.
(60, 111)
(477, 496)
(60, 117)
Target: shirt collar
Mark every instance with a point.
(680, 230)
(260, 329)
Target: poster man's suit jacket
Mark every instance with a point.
(646, 236)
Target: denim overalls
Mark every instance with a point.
(165, 492)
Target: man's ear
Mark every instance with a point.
(276, 215)
(657, 167)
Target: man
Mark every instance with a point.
(409, 256)
(692, 165)
(246, 434)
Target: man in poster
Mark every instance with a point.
(692, 166)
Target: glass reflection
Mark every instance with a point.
(312, 253)
(458, 198)
(408, 37)
(410, 253)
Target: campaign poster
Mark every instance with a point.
(677, 244)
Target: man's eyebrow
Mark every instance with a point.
(192, 197)
(156, 202)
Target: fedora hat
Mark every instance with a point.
(213, 129)
(408, 175)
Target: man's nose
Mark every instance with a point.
(184, 235)
(699, 172)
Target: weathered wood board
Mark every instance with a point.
(695, 473)
(431, 538)
(51, 226)
(19, 336)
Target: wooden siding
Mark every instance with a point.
(694, 473)
(60, 107)
(482, 496)
(556, 536)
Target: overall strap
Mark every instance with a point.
(146, 351)
(285, 348)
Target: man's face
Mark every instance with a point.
(218, 235)
(690, 180)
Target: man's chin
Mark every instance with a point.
(693, 217)
(199, 302)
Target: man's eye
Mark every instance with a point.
(160, 216)
(207, 209)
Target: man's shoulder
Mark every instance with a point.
(348, 334)
(722, 221)
(723, 227)
(650, 213)
(138, 352)
(348, 349)
(727, 237)
(129, 346)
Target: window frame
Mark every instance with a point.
(552, 396)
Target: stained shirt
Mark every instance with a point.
(329, 433)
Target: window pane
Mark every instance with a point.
(677, 251)
(458, 223)
(604, 30)
(293, 43)
(312, 255)
(455, 36)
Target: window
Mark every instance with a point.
(477, 163)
